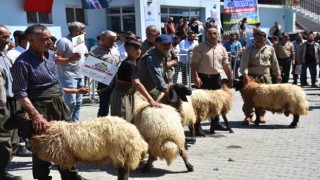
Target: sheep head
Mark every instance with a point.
(21, 121)
(238, 84)
(181, 91)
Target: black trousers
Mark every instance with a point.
(51, 109)
(104, 98)
(9, 140)
(211, 82)
(285, 65)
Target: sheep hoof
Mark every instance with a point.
(212, 131)
(191, 140)
(247, 121)
(201, 134)
(293, 125)
(146, 168)
(189, 167)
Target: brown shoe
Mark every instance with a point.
(248, 120)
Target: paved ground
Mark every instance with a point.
(271, 151)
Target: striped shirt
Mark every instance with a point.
(31, 71)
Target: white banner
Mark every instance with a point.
(98, 70)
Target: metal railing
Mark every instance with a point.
(310, 5)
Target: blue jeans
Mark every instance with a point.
(73, 101)
(313, 72)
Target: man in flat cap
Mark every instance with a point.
(256, 61)
(153, 66)
(285, 54)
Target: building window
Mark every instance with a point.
(121, 19)
(37, 17)
(75, 14)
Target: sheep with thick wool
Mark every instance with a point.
(180, 99)
(95, 141)
(211, 103)
(277, 98)
(162, 130)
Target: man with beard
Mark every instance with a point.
(256, 61)
(152, 66)
(309, 57)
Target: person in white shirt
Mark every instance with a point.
(176, 50)
(123, 54)
(186, 47)
(20, 48)
(121, 38)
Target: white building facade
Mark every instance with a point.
(124, 15)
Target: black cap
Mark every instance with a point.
(260, 33)
(132, 42)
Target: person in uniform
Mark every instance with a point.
(256, 61)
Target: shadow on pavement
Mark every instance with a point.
(238, 124)
(110, 169)
(313, 108)
(17, 166)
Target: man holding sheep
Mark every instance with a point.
(153, 66)
(35, 86)
(208, 61)
(256, 61)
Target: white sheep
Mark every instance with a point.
(180, 99)
(277, 98)
(211, 103)
(162, 129)
(94, 141)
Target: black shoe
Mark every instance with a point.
(304, 84)
(7, 176)
(23, 152)
(314, 86)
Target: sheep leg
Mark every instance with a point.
(123, 173)
(184, 156)
(257, 121)
(148, 166)
(192, 139)
(295, 121)
(227, 123)
(198, 129)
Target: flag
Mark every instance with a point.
(42, 6)
(94, 4)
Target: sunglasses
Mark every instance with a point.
(4, 37)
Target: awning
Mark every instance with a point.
(42, 6)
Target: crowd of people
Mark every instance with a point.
(45, 79)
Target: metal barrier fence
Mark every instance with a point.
(183, 70)
(182, 74)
